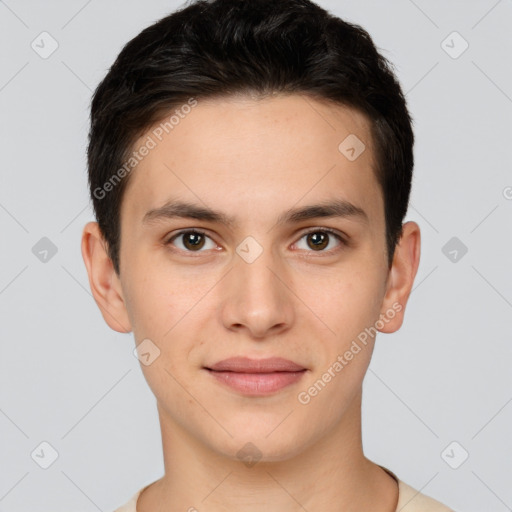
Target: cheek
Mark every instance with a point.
(350, 308)
(347, 301)
(155, 298)
(171, 310)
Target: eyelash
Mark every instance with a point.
(340, 239)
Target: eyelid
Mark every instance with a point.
(340, 237)
(169, 239)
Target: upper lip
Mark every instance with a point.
(247, 365)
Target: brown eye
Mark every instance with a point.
(191, 241)
(319, 239)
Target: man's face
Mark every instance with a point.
(266, 285)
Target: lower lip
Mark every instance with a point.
(257, 384)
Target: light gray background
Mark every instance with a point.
(67, 379)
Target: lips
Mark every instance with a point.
(256, 377)
(247, 365)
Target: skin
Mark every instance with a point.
(253, 159)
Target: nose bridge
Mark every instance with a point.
(258, 275)
(257, 299)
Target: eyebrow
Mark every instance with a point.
(182, 209)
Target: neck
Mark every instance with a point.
(332, 474)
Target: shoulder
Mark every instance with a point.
(411, 500)
(131, 504)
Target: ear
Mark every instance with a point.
(401, 278)
(103, 280)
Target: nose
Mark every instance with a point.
(257, 297)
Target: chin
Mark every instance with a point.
(256, 445)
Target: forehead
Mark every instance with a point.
(256, 157)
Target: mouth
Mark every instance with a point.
(256, 377)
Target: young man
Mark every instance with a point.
(250, 165)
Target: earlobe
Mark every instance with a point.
(103, 280)
(401, 278)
